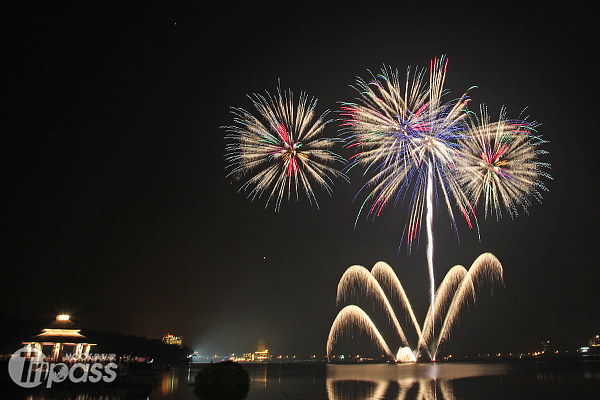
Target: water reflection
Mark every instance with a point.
(258, 375)
(81, 396)
(401, 381)
(174, 384)
(80, 393)
(564, 379)
(169, 382)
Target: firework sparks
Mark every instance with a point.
(410, 140)
(457, 288)
(282, 150)
(403, 134)
(500, 163)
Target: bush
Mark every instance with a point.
(223, 381)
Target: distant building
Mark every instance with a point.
(261, 353)
(171, 339)
(260, 345)
(58, 336)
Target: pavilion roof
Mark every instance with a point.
(63, 324)
(62, 330)
(64, 339)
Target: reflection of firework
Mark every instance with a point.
(283, 149)
(404, 134)
(379, 381)
(499, 163)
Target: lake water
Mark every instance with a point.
(565, 379)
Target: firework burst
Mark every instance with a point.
(281, 150)
(499, 163)
(405, 134)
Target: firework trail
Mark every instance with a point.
(444, 294)
(499, 163)
(486, 268)
(353, 316)
(281, 151)
(458, 287)
(384, 274)
(359, 279)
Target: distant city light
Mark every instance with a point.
(62, 317)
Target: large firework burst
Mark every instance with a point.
(406, 134)
(281, 150)
(499, 163)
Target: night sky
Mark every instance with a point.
(117, 209)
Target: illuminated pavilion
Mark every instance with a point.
(171, 339)
(59, 336)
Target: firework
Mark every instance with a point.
(281, 150)
(409, 137)
(406, 135)
(458, 288)
(414, 144)
(499, 164)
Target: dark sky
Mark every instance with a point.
(117, 209)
